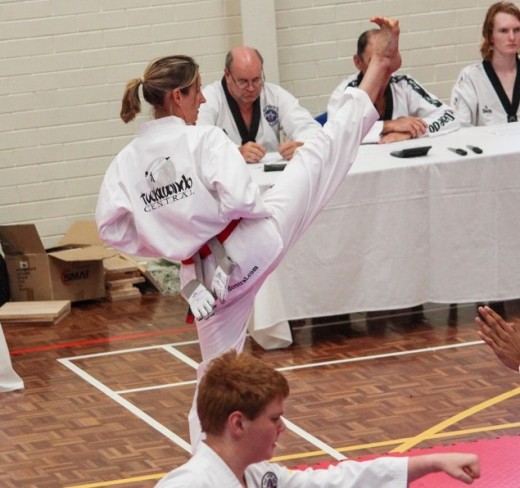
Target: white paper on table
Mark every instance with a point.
(504, 129)
(272, 157)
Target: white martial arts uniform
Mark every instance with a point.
(9, 380)
(408, 99)
(176, 186)
(173, 188)
(475, 100)
(206, 469)
(279, 111)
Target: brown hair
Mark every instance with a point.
(236, 382)
(486, 49)
(160, 77)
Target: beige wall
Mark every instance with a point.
(64, 64)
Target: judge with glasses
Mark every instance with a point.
(260, 117)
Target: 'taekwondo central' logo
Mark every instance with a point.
(269, 480)
(165, 188)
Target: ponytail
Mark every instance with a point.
(131, 104)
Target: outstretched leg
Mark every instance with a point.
(309, 181)
(303, 189)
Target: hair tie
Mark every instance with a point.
(141, 80)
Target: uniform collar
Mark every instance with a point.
(158, 123)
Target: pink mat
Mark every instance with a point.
(499, 464)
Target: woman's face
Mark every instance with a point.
(190, 103)
(505, 36)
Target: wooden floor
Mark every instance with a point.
(108, 390)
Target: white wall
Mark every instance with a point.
(317, 38)
(64, 65)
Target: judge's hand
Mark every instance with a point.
(394, 137)
(252, 152)
(415, 126)
(288, 148)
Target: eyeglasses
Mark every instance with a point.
(243, 84)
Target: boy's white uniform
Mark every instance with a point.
(475, 100)
(409, 99)
(176, 186)
(279, 110)
(206, 469)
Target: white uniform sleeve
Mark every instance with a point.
(296, 121)
(336, 98)
(390, 472)
(335, 102)
(410, 99)
(374, 134)
(464, 99)
(439, 116)
(114, 214)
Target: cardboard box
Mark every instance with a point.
(72, 271)
(82, 232)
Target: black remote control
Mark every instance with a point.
(411, 152)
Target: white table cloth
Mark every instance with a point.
(441, 228)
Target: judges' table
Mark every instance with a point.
(441, 228)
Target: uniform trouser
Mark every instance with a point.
(299, 194)
(9, 380)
